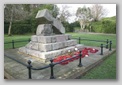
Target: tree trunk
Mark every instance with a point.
(81, 25)
(89, 28)
(10, 25)
(9, 29)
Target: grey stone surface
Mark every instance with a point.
(44, 30)
(56, 53)
(23, 50)
(60, 45)
(41, 55)
(46, 55)
(53, 39)
(45, 17)
(58, 28)
(72, 48)
(75, 42)
(35, 46)
(30, 51)
(71, 42)
(79, 46)
(45, 47)
(16, 70)
(55, 46)
(63, 51)
(34, 53)
(65, 44)
(50, 39)
(32, 45)
(34, 38)
(52, 54)
(29, 45)
(49, 53)
(44, 39)
(60, 38)
(48, 46)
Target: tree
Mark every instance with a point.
(64, 14)
(25, 13)
(83, 16)
(32, 9)
(13, 12)
(55, 11)
(97, 12)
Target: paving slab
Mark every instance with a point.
(15, 70)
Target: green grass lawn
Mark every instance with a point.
(103, 37)
(74, 35)
(15, 38)
(107, 70)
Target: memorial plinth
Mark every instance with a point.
(50, 40)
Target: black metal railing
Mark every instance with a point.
(107, 44)
(13, 42)
(15, 60)
(51, 65)
(86, 39)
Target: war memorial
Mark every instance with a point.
(51, 54)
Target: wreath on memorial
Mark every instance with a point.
(85, 53)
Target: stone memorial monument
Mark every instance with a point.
(50, 40)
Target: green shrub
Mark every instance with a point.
(109, 26)
(6, 26)
(20, 28)
(71, 27)
(96, 26)
(106, 25)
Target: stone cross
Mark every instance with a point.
(48, 24)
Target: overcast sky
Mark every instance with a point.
(110, 8)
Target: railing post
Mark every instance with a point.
(13, 44)
(101, 49)
(29, 40)
(29, 69)
(107, 44)
(110, 45)
(79, 40)
(51, 67)
(80, 63)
